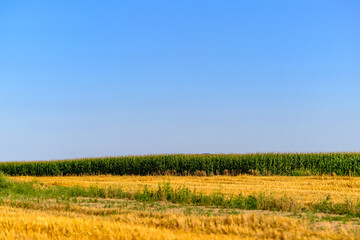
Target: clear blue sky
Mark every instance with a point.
(104, 78)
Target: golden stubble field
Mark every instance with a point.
(302, 188)
(132, 223)
(96, 218)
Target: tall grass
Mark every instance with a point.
(184, 164)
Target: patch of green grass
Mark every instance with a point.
(344, 219)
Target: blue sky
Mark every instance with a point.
(105, 78)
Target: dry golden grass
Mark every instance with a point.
(34, 224)
(88, 218)
(306, 189)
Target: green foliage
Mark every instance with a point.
(291, 164)
(4, 181)
(301, 173)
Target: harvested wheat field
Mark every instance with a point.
(308, 188)
(17, 223)
(174, 203)
(179, 207)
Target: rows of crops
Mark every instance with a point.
(184, 164)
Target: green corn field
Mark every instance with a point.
(188, 164)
